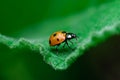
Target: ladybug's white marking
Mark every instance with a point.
(69, 36)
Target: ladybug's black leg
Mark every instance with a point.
(67, 44)
(64, 44)
(71, 41)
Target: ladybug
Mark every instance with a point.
(61, 37)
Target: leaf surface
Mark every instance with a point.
(93, 26)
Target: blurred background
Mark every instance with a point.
(16, 15)
(98, 63)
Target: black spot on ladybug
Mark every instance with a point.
(57, 39)
(54, 34)
(63, 32)
(50, 41)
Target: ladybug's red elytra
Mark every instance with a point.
(61, 37)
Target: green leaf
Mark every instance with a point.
(92, 26)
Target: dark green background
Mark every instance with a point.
(16, 15)
(19, 64)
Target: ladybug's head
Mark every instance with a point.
(71, 36)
